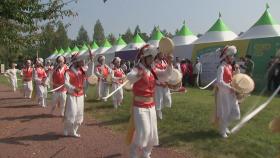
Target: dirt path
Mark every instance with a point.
(27, 130)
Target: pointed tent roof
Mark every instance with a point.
(75, 49)
(137, 42)
(61, 51)
(52, 56)
(94, 46)
(106, 45)
(217, 33)
(266, 26)
(68, 50)
(184, 36)
(119, 44)
(156, 36)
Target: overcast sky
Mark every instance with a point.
(117, 15)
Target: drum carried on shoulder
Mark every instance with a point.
(243, 85)
(175, 80)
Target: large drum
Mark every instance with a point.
(166, 45)
(175, 80)
(92, 80)
(243, 85)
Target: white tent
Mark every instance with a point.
(51, 57)
(266, 26)
(137, 42)
(67, 53)
(110, 53)
(156, 36)
(184, 36)
(217, 33)
(93, 49)
(106, 45)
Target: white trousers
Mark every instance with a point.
(14, 83)
(162, 97)
(41, 94)
(74, 114)
(59, 98)
(27, 89)
(146, 134)
(118, 96)
(103, 89)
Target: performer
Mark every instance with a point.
(27, 73)
(102, 71)
(12, 74)
(143, 77)
(162, 95)
(227, 104)
(59, 96)
(49, 71)
(118, 77)
(74, 82)
(40, 77)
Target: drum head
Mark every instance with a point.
(92, 80)
(166, 45)
(242, 83)
(175, 77)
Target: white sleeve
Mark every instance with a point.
(90, 70)
(163, 75)
(67, 84)
(37, 80)
(98, 73)
(132, 76)
(220, 78)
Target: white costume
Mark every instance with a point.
(102, 72)
(162, 94)
(12, 74)
(117, 79)
(40, 77)
(227, 104)
(27, 73)
(144, 113)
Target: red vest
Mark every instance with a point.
(145, 87)
(104, 70)
(227, 76)
(118, 72)
(77, 80)
(58, 78)
(27, 74)
(41, 74)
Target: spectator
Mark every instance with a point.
(197, 71)
(183, 67)
(270, 67)
(249, 65)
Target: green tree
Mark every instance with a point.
(82, 36)
(111, 38)
(98, 33)
(137, 30)
(128, 36)
(61, 39)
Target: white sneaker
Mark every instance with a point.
(224, 135)
(228, 131)
(159, 114)
(76, 135)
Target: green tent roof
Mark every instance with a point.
(157, 35)
(68, 50)
(106, 44)
(184, 31)
(61, 51)
(266, 19)
(94, 45)
(219, 26)
(137, 39)
(120, 41)
(55, 51)
(84, 47)
(75, 49)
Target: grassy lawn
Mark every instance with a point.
(186, 126)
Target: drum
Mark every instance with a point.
(166, 45)
(175, 79)
(128, 86)
(243, 85)
(92, 80)
(274, 125)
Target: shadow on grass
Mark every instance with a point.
(93, 101)
(114, 121)
(22, 106)
(27, 118)
(174, 139)
(11, 98)
(37, 137)
(114, 155)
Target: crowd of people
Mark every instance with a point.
(149, 75)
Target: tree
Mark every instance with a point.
(167, 34)
(47, 40)
(98, 34)
(137, 30)
(111, 38)
(61, 39)
(144, 36)
(128, 36)
(82, 36)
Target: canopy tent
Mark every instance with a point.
(156, 36)
(84, 51)
(217, 33)
(51, 57)
(137, 43)
(127, 54)
(184, 36)
(110, 53)
(67, 53)
(74, 50)
(93, 48)
(266, 26)
(106, 45)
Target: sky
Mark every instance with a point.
(117, 16)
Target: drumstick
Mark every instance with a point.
(116, 90)
(254, 112)
(56, 88)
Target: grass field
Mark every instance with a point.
(186, 126)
